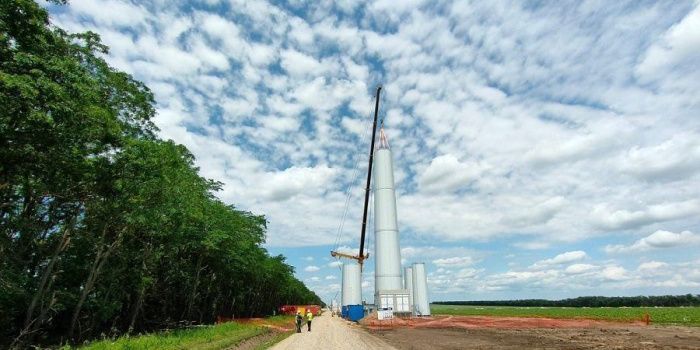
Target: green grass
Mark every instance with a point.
(200, 338)
(689, 316)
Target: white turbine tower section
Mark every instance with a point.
(421, 306)
(387, 271)
(352, 285)
(408, 285)
(388, 283)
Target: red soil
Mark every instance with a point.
(257, 321)
(472, 322)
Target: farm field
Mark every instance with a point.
(686, 316)
(253, 333)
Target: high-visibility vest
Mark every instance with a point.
(309, 316)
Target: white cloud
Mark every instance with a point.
(657, 240)
(300, 65)
(336, 263)
(331, 277)
(576, 269)
(674, 159)
(563, 258)
(679, 45)
(607, 218)
(529, 148)
(447, 173)
(614, 273)
(312, 268)
(454, 261)
(110, 12)
(283, 185)
(653, 268)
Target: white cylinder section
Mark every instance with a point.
(421, 305)
(408, 285)
(352, 285)
(387, 271)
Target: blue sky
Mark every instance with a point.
(541, 149)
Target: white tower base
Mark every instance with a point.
(397, 300)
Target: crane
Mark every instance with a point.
(361, 256)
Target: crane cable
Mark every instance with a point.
(354, 177)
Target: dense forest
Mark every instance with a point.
(593, 301)
(105, 228)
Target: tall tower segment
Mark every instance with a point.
(388, 282)
(388, 254)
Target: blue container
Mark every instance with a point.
(344, 311)
(355, 312)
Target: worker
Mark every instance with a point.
(309, 317)
(298, 320)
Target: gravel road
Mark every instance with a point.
(332, 333)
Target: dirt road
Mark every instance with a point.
(332, 333)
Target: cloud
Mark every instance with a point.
(447, 173)
(111, 12)
(454, 261)
(576, 269)
(312, 268)
(563, 258)
(336, 263)
(654, 268)
(627, 219)
(658, 240)
(560, 129)
(674, 159)
(331, 277)
(677, 47)
(283, 185)
(614, 273)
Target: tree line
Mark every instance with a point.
(591, 301)
(105, 228)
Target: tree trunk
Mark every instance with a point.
(193, 295)
(99, 261)
(48, 272)
(137, 307)
(142, 290)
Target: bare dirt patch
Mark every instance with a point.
(529, 333)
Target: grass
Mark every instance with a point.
(688, 316)
(200, 338)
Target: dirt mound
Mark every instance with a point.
(472, 322)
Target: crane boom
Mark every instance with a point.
(361, 257)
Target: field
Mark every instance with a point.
(687, 316)
(252, 333)
(483, 327)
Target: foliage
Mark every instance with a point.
(592, 301)
(689, 316)
(104, 228)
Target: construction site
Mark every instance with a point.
(399, 314)
(254, 174)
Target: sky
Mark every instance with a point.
(541, 149)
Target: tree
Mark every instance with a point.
(105, 228)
